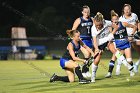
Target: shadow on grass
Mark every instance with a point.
(45, 86)
(28, 83)
(88, 87)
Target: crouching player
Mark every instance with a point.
(68, 60)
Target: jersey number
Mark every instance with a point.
(121, 36)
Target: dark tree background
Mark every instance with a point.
(45, 18)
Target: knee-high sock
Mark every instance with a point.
(121, 58)
(78, 72)
(138, 62)
(94, 69)
(111, 66)
(118, 66)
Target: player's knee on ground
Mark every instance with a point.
(71, 80)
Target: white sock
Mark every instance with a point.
(138, 62)
(118, 66)
(121, 58)
(94, 69)
(119, 62)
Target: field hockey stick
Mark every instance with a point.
(91, 60)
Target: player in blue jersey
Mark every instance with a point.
(122, 41)
(68, 60)
(84, 24)
(131, 18)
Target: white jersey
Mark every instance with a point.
(132, 20)
(101, 35)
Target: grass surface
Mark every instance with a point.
(19, 77)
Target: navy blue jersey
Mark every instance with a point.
(121, 32)
(85, 27)
(75, 49)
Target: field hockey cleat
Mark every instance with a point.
(84, 81)
(108, 75)
(93, 80)
(88, 75)
(136, 68)
(84, 75)
(132, 73)
(53, 78)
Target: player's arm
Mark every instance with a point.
(95, 44)
(70, 48)
(138, 25)
(76, 24)
(130, 26)
(87, 48)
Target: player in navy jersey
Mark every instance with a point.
(84, 24)
(68, 60)
(131, 18)
(121, 40)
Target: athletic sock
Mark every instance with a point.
(62, 78)
(94, 69)
(121, 58)
(78, 72)
(138, 62)
(111, 66)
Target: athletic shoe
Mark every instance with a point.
(84, 81)
(53, 78)
(135, 68)
(93, 80)
(108, 75)
(88, 75)
(132, 73)
(84, 75)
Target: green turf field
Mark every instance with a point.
(19, 77)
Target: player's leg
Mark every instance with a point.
(61, 78)
(95, 67)
(119, 56)
(128, 55)
(85, 70)
(111, 66)
(70, 74)
(118, 64)
(137, 48)
(73, 65)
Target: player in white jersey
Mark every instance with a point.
(101, 39)
(131, 18)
